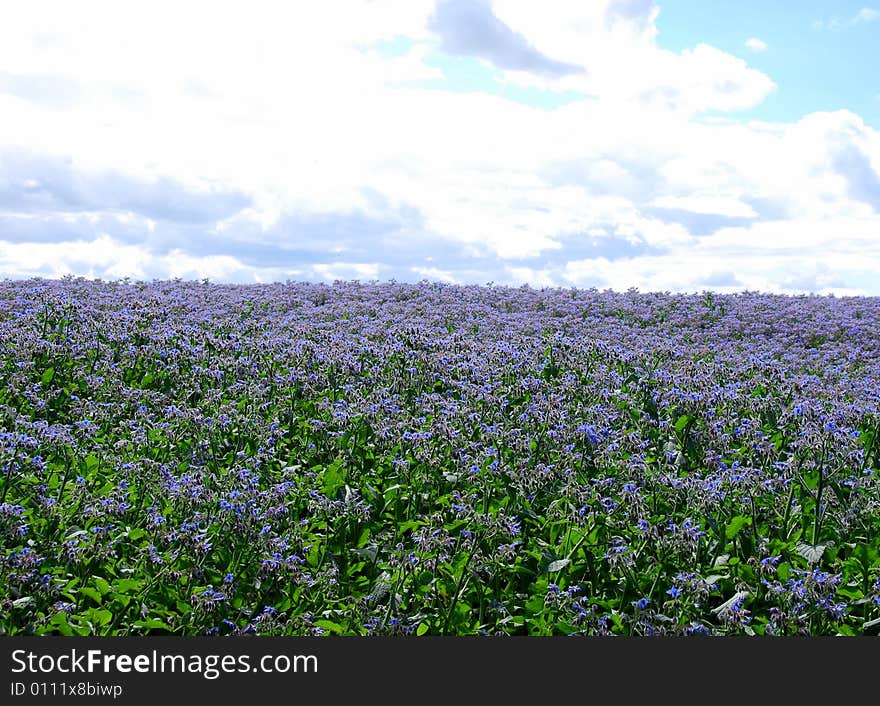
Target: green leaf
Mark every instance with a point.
(136, 534)
(314, 555)
(99, 616)
(151, 624)
(48, 376)
(736, 525)
(370, 553)
(90, 592)
(102, 585)
(866, 554)
(364, 536)
(121, 599)
(535, 605)
(811, 552)
(682, 422)
(333, 478)
(721, 561)
(557, 565)
(329, 625)
(59, 620)
(811, 479)
(408, 525)
(127, 585)
(422, 629)
(851, 594)
(515, 620)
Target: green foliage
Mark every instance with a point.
(298, 466)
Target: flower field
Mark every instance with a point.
(299, 459)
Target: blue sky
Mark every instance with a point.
(822, 55)
(670, 145)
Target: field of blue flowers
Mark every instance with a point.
(194, 458)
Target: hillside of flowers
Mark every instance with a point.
(192, 458)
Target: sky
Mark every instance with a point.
(668, 145)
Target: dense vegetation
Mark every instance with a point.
(190, 458)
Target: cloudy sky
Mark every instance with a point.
(677, 145)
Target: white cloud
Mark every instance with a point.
(756, 44)
(279, 142)
(864, 15)
(347, 270)
(706, 203)
(615, 42)
(436, 274)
